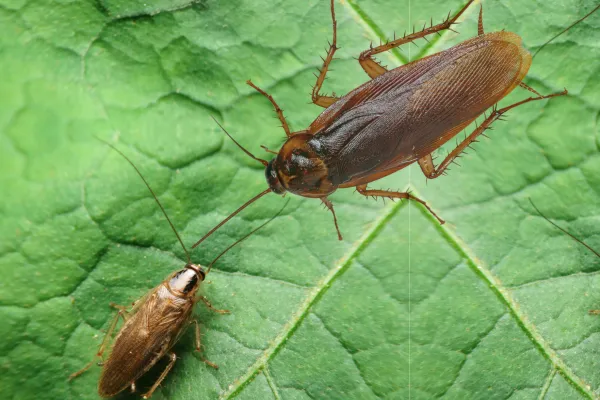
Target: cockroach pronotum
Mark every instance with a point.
(154, 323)
(398, 117)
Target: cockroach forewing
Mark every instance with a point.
(414, 109)
(480, 79)
(144, 339)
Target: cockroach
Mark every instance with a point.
(581, 242)
(155, 322)
(398, 117)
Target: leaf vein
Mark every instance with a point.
(299, 316)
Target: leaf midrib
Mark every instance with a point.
(315, 295)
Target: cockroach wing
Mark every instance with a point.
(408, 112)
(144, 339)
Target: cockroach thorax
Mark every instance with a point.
(187, 280)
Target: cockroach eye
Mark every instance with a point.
(273, 179)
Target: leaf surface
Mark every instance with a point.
(492, 305)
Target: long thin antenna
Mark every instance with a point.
(263, 162)
(246, 204)
(187, 254)
(564, 230)
(246, 236)
(564, 30)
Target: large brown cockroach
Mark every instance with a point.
(399, 117)
(154, 324)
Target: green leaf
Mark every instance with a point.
(492, 305)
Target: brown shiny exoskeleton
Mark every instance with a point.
(154, 324)
(399, 117)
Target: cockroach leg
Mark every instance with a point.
(162, 376)
(317, 98)
(82, 370)
(265, 148)
(426, 163)
(199, 346)
(362, 189)
(103, 345)
(329, 205)
(480, 22)
(532, 90)
(210, 306)
(122, 310)
(372, 67)
(119, 307)
(278, 110)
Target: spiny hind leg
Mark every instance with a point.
(374, 69)
(362, 189)
(278, 110)
(199, 346)
(329, 205)
(122, 312)
(426, 163)
(210, 306)
(317, 98)
(163, 375)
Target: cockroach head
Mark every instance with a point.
(299, 168)
(273, 179)
(187, 280)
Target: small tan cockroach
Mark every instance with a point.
(155, 322)
(399, 117)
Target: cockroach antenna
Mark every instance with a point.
(564, 230)
(187, 254)
(263, 162)
(564, 30)
(233, 214)
(246, 236)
